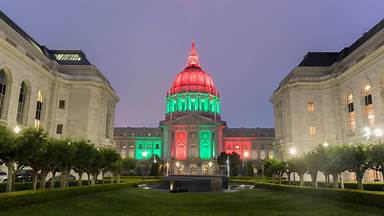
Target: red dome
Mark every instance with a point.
(193, 78)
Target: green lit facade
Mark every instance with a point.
(191, 102)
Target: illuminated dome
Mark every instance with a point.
(193, 91)
(193, 78)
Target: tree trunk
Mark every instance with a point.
(94, 178)
(112, 178)
(43, 177)
(34, 183)
(382, 175)
(289, 178)
(341, 181)
(334, 180)
(53, 179)
(89, 178)
(9, 176)
(102, 177)
(314, 179)
(80, 182)
(118, 178)
(359, 177)
(301, 178)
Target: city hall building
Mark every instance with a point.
(57, 90)
(193, 134)
(333, 97)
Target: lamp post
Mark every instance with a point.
(167, 165)
(246, 154)
(227, 165)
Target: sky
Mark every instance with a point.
(247, 46)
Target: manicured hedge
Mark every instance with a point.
(346, 195)
(27, 197)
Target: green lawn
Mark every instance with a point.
(133, 201)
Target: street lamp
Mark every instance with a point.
(246, 154)
(17, 129)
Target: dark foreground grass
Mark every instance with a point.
(133, 201)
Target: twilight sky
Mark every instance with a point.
(248, 46)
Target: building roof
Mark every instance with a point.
(249, 132)
(63, 57)
(329, 58)
(137, 131)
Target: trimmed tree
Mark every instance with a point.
(8, 153)
(377, 155)
(85, 154)
(66, 160)
(33, 143)
(313, 159)
(359, 160)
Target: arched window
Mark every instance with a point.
(351, 118)
(22, 103)
(3, 86)
(39, 109)
(369, 112)
(205, 144)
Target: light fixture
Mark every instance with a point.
(325, 144)
(145, 154)
(246, 154)
(367, 87)
(292, 151)
(177, 164)
(17, 129)
(210, 164)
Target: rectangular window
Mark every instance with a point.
(312, 131)
(59, 129)
(310, 107)
(62, 104)
(350, 107)
(368, 99)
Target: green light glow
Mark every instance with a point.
(192, 101)
(205, 144)
(151, 146)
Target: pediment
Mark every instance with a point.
(193, 118)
